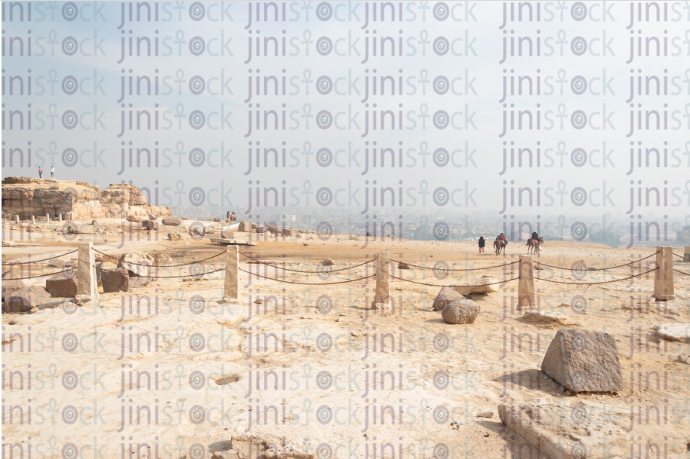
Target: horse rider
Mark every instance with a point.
(535, 236)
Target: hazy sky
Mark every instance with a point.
(479, 172)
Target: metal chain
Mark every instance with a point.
(470, 269)
(40, 275)
(681, 272)
(306, 283)
(598, 269)
(36, 261)
(679, 256)
(305, 272)
(160, 266)
(595, 283)
(437, 285)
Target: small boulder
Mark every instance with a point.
(172, 221)
(64, 285)
(244, 227)
(135, 219)
(273, 229)
(287, 232)
(57, 303)
(445, 297)
(328, 262)
(584, 361)
(225, 234)
(461, 311)
(260, 229)
(25, 299)
(9, 286)
(403, 265)
(174, 236)
(152, 217)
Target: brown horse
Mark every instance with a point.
(500, 244)
(533, 246)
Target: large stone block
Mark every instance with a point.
(115, 280)
(63, 285)
(445, 297)
(25, 299)
(245, 226)
(461, 311)
(172, 221)
(584, 361)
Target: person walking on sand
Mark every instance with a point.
(482, 243)
(52, 171)
(40, 172)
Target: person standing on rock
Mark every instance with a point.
(482, 243)
(52, 171)
(40, 172)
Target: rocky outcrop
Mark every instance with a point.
(75, 200)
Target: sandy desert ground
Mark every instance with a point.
(170, 370)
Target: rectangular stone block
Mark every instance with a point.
(115, 280)
(62, 286)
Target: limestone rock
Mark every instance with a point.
(245, 226)
(684, 358)
(260, 229)
(545, 317)
(461, 311)
(327, 262)
(138, 264)
(445, 297)
(64, 285)
(115, 280)
(478, 286)
(273, 229)
(174, 236)
(674, 332)
(25, 299)
(225, 234)
(172, 221)
(101, 266)
(584, 361)
(9, 286)
(134, 219)
(287, 232)
(56, 303)
(152, 217)
(403, 265)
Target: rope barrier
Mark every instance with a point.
(306, 272)
(438, 285)
(681, 272)
(598, 269)
(39, 275)
(306, 283)
(469, 269)
(595, 283)
(37, 261)
(160, 266)
(679, 256)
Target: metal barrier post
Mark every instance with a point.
(663, 280)
(526, 297)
